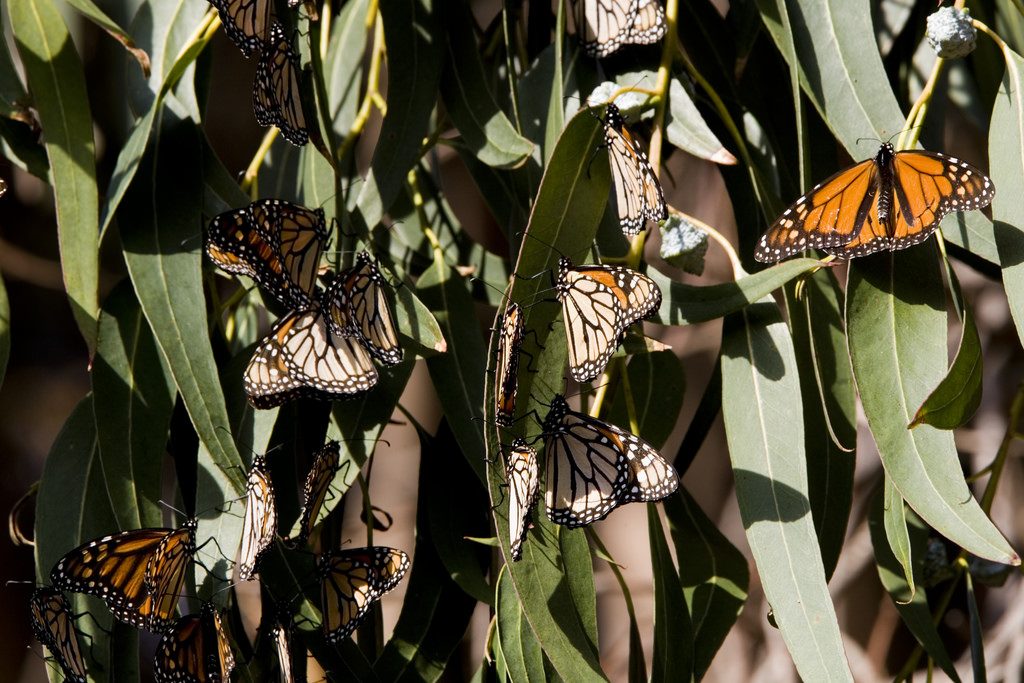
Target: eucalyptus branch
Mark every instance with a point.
(372, 86)
(249, 179)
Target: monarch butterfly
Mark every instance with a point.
(351, 581)
(246, 22)
(280, 634)
(510, 340)
(276, 96)
(196, 649)
(302, 357)
(522, 476)
(356, 304)
(317, 486)
(638, 194)
(892, 201)
(53, 625)
(599, 303)
(604, 26)
(593, 467)
(276, 243)
(138, 574)
(260, 525)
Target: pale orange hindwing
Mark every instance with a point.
(830, 215)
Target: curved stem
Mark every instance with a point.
(249, 179)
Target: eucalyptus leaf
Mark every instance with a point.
(685, 127)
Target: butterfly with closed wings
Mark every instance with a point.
(357, 304)
(277, 91)
(599, 303)
(53, 625)
(352, 581)
(276, 243)
(639, 197)
(522, 475)
(259, 527)
(246, 22)
(138, 573)
(593, 467)
(195, 650)
(892, 201)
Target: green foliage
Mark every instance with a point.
(418, 109)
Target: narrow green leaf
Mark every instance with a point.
(414, 32)
(977, 634)
(687, 304)
(766, 443)
(484, 127)
(955, 400)
(840, 71)
(896, 324)
(911, 604)
(436, 611)
(417, 325)
(5, 331)
(974, 232)
(14, 101)
(57, 81)
(686, 129)
(94, 14)
(673, 657)
(580, 576)
(566, 214)
(712, 572)
(163, 257)
(343, 68)
(73, 507)
(894, 520)
(520, 651)
(829, 406)
(1006, 161)
(134, 396)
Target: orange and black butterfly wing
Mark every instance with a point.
(639, 196)
(372, 318)
(299, 236)
(259, 527)
(267, 381)
(246, 22)
(351, 581)
(195, 650)
(277, 98)
(510, 339)
(236, 244)
(828, 216)
(54, 627)
(318, 486)
(138, 574)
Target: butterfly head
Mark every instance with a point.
(613, 117)
(885, 153)
(559, 408)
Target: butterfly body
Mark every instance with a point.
(599, 303)
(892, 201)
(638, 193)
(352, 581)
(54, 627)
(195, 650)
(593, 467)
(510, 341)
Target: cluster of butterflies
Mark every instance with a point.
(276, 93)
(324, 348)
(139, 575)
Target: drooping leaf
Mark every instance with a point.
(133, 395)
(673, 657)
(766, 443)
(162, 212)
(686, 129)
(829, 406)
(57, 81)
(343, 68)
(713, 574)
(484, 127)
(687, 304)
(1006, 161)
(94, 14)
(520, 652)
(896, 324)
(413, 74)
(894, 520)
(911, 604)
(977, 634)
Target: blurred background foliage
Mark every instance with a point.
(450, 128)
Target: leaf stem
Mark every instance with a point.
(372, 95)
(249, 180)
(595, 540)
